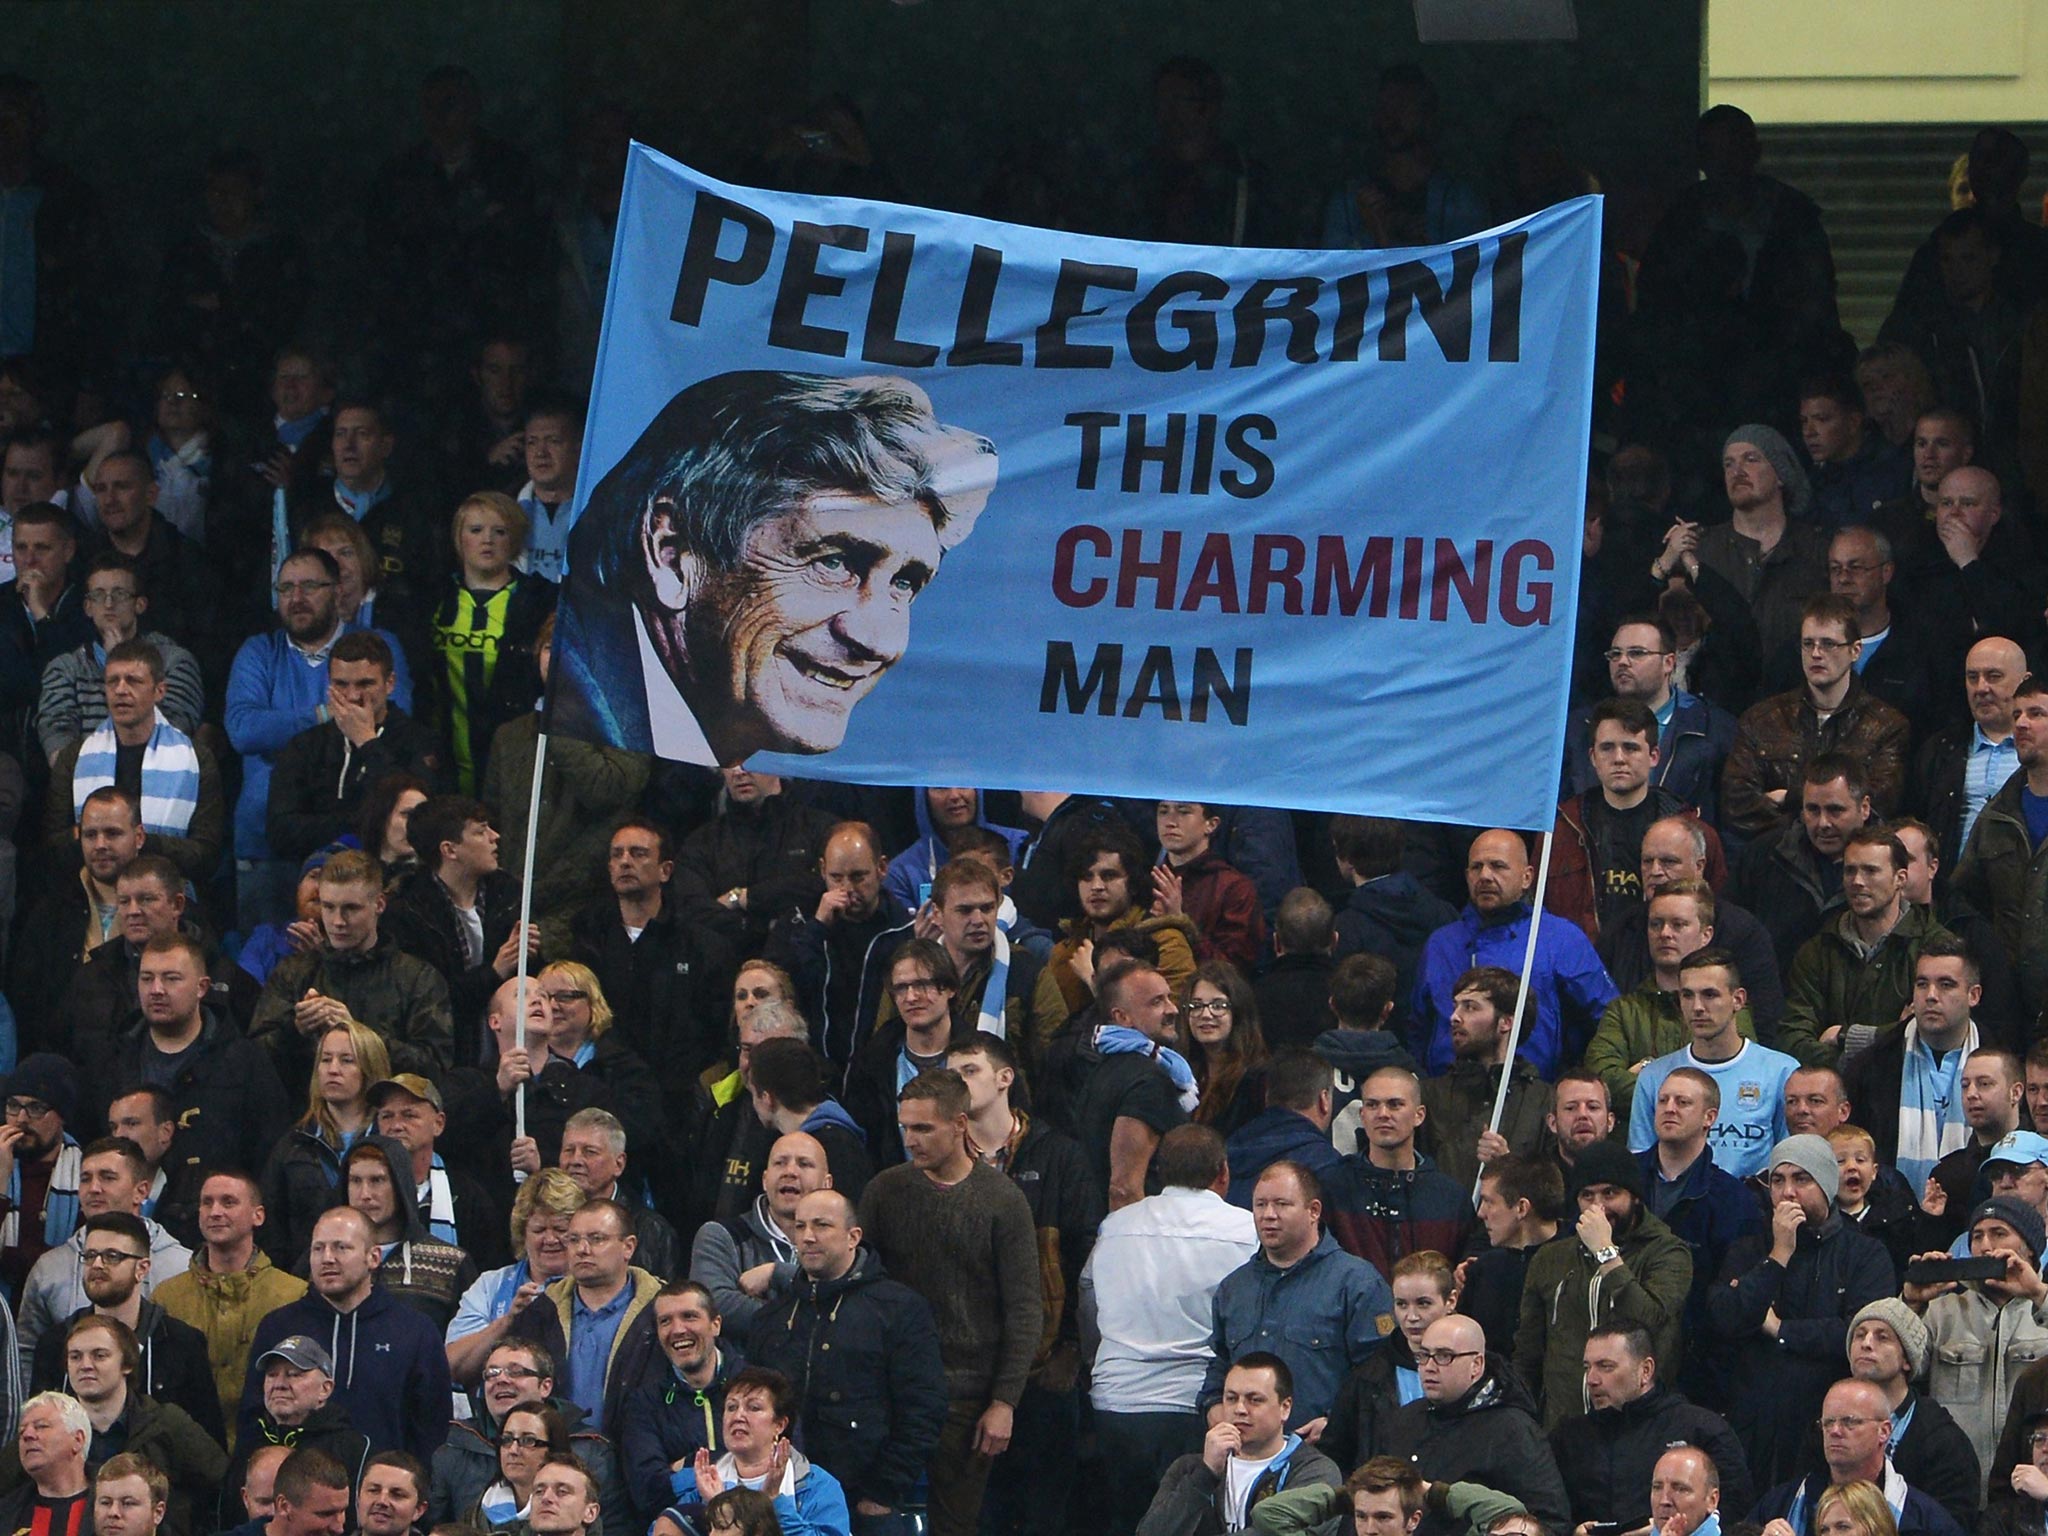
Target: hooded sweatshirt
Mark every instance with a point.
(912, 871)
(424, 1273)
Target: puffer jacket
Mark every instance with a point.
(403, 998)
(2003, 874)
(864, 1351)
(1565, 1296)
(1776, 738)
(1832, 982)
(1640, 1026)
(1606, 1457)
(1976, 1350)
(1488, 1436)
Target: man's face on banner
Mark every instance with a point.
(779, 650)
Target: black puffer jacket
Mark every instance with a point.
(1789, 888)
(1368, 1398)
(1489, 1436)
(1606, 1457)
(770, 849)
(864, 1353)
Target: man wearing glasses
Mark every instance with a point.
(1830, 712)
(277, 687)
(39, 1165)
(598, 1319)
(74, 699)
(1856, 1434)
(921, 986)
(1693, 735)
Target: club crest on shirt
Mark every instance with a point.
(1749, 1095)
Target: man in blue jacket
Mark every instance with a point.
(1569, 986)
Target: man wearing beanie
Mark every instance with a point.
(1773, 558)
(39, 1160)
(1984, 1333)
(1781, 1310)
(1888, 1349)
(1620, 1268)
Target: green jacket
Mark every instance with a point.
(2004, 875)
(1833, 982)
(1564, 1296)
(586, 790)
(1640, 1026)
(399, 995)
(1317, 1511)
(1460, 1105)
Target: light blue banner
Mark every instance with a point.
(893, 496)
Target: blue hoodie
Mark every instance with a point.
(1569, 986)
(390, 1368)
(1269, 1136)
(910, 872)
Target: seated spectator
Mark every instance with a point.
(459, 911)
(1852, 981)
(299, 1411)
(736, 1260)
(391, 1496)
(41, 1165)
(1107, 868)
(734, 1142)
(1983, 1336)
(540, 1236)
(172, 565)
(111, 1181)
(73, 701)
(357, 973)
(1888, 1348)
(231, 1285)
(1459, 1125)
(50, 1449)
(485, 630)
(1620, 1258)
(604, 1297)
(102, 1365)
(921, 984)
(760, 1409)
(594, 1154)
(755, 860)
(1608, 1457)
(1293, 984)
(1337, 1307)
(1520, 1199)
(323, 773)
(427, 1275)
(453, 1206)
(1474, 1423)
(519, 1379)
(1388, 912)
(1693, 734)
(1750, 1077)
(1781, 1309)
(174, 779)
(668, 980)
(302, 1177)
(1225, 1048)
(940, 813)
(1831, 712)
(1908, 1086)
(1387, 1494)
(1424, 1290)
(789, 1094)
(1856, 1431)
(1568, 988)
(2022, 1512)
(1147, 1301)
(1295, 1123)
(850, 1337)
(1248, 1455)
(1792, 881)
(1992, 1087)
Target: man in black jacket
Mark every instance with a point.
(864, 1351)
(322, 774)
(1607, 1455)
(458, 910)
(752, 862)
(1791, 880)
(839, 947)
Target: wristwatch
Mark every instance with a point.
(1606, 1255)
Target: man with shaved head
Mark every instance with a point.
(1569, 988)
(1974, 571)
(736, 1260)
(1958, 770)
(838, 947)
(2003, 872)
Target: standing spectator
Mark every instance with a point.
(1520, 1200)
(1856, 1429)
(1958, 770)
(1293, 987)
(754, 861)
(1146, 1303)
(1387, 1200)
(1568, 988)
(1792, 880)
(960, 1234)
(1226, 1049)
(1406, 198)
(1459, 1122)
(1783, 1303)
(2004, 868)
(1425, 1288)
(453, 1207)
(73, 702)
(427, 1275)
(1295, 1124)
(172, 565)
(551, 445)
(40, 1163)
(540, 1235)
(1908, 1087)
(1854, 471)
(998, 975)
(1301, 1297)
(51, 1451)
(1193, 184)
(1888, 1348)
(1751, 1078)
(1991, 1086)
(596, 1319)
(304, 1168)
(1769, 552)
(662, 1429)
(459, 912)
(102, 1364)
(1388, 912)
(788, 1087)
(1137, 1087)
(737, 1260)
(1693, 734)
(1194, 880)
(299, 1410)
(941, 813)
(921, 983)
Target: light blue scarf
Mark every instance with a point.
(170, 776)
(1931, 1123)
(60, 1205)
(1121, 1040)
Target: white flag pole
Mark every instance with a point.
(1507, 1071)
(540, 763)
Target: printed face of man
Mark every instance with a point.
(776, 652)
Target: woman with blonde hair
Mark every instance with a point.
(305, 1166)
(540, 1236)
(581, 1040)
(486, 631)
(1854, 1509)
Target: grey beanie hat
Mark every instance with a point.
(1903, 1321)
(1813, 1154)
(1784, 462)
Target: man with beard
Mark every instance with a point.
(675, 1414)
(838, 951)
(39, 1165)
(1767, 551)
(277, 688)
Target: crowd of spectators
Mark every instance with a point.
(871, 1160)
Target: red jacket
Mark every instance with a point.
(1224, 906)
(1570, 891)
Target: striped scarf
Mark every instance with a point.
(992, 1019)
(170, 776)
(1931, 1123)
(60, 1203)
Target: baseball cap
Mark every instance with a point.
(408, 1083)
(300, 1353)
(2019, 1148)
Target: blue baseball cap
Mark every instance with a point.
(2019, 1148)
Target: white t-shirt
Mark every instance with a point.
(1240, 1475)
(472, 933)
